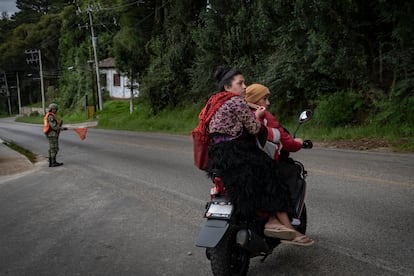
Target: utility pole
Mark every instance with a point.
(42, 87)
(18, 93)
(7, 92)
(34, 59)
(94, 42)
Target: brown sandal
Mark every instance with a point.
(279, 232)
(299, 241)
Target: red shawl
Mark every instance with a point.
(212, 105)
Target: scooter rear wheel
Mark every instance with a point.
(303, 221)
(228, 258)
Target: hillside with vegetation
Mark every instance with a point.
(350, 61)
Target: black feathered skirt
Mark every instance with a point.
(249, 176)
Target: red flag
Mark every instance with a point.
(81, 131)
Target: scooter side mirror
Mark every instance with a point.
(305, 116)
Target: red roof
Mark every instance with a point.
(107, 63)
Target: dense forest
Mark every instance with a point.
(352, 60)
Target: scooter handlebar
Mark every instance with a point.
(307, 144)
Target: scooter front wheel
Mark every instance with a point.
(228, 258)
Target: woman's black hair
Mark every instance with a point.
(225, 75)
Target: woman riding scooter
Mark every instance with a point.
(248, 174)
(257, 96)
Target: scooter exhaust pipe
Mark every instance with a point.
(252, 242)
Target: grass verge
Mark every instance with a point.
(72, 118)
(116, 115)
(25, 152)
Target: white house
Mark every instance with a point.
(117, 84)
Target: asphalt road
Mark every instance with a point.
(127, 203)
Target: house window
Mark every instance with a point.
(117, 80)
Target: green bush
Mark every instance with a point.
(339, 109)
(396, 112)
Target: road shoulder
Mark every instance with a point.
(12, 162)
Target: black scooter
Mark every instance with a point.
(231, 241)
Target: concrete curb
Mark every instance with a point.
(12, 162)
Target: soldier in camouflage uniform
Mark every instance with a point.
(52, 128)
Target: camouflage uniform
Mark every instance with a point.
(52, 135)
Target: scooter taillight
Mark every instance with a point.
(218, 188)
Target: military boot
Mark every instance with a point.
(55, 164)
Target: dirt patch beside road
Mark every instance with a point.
(359, 144)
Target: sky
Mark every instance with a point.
(8, 6)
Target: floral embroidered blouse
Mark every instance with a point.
(232, 117)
